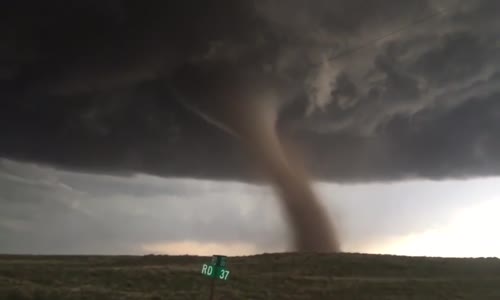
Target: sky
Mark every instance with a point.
(52, 211)
(170, 126)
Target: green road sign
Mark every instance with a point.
(215, 271)
(219, 261)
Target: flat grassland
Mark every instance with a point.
(267, 276)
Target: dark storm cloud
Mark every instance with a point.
(88, 85)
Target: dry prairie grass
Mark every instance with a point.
(269, 276)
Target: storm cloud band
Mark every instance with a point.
(88, 85)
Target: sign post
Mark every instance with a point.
(212, 289)
(215, 270)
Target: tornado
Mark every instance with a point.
(247, 107)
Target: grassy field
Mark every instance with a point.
(268, 276)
